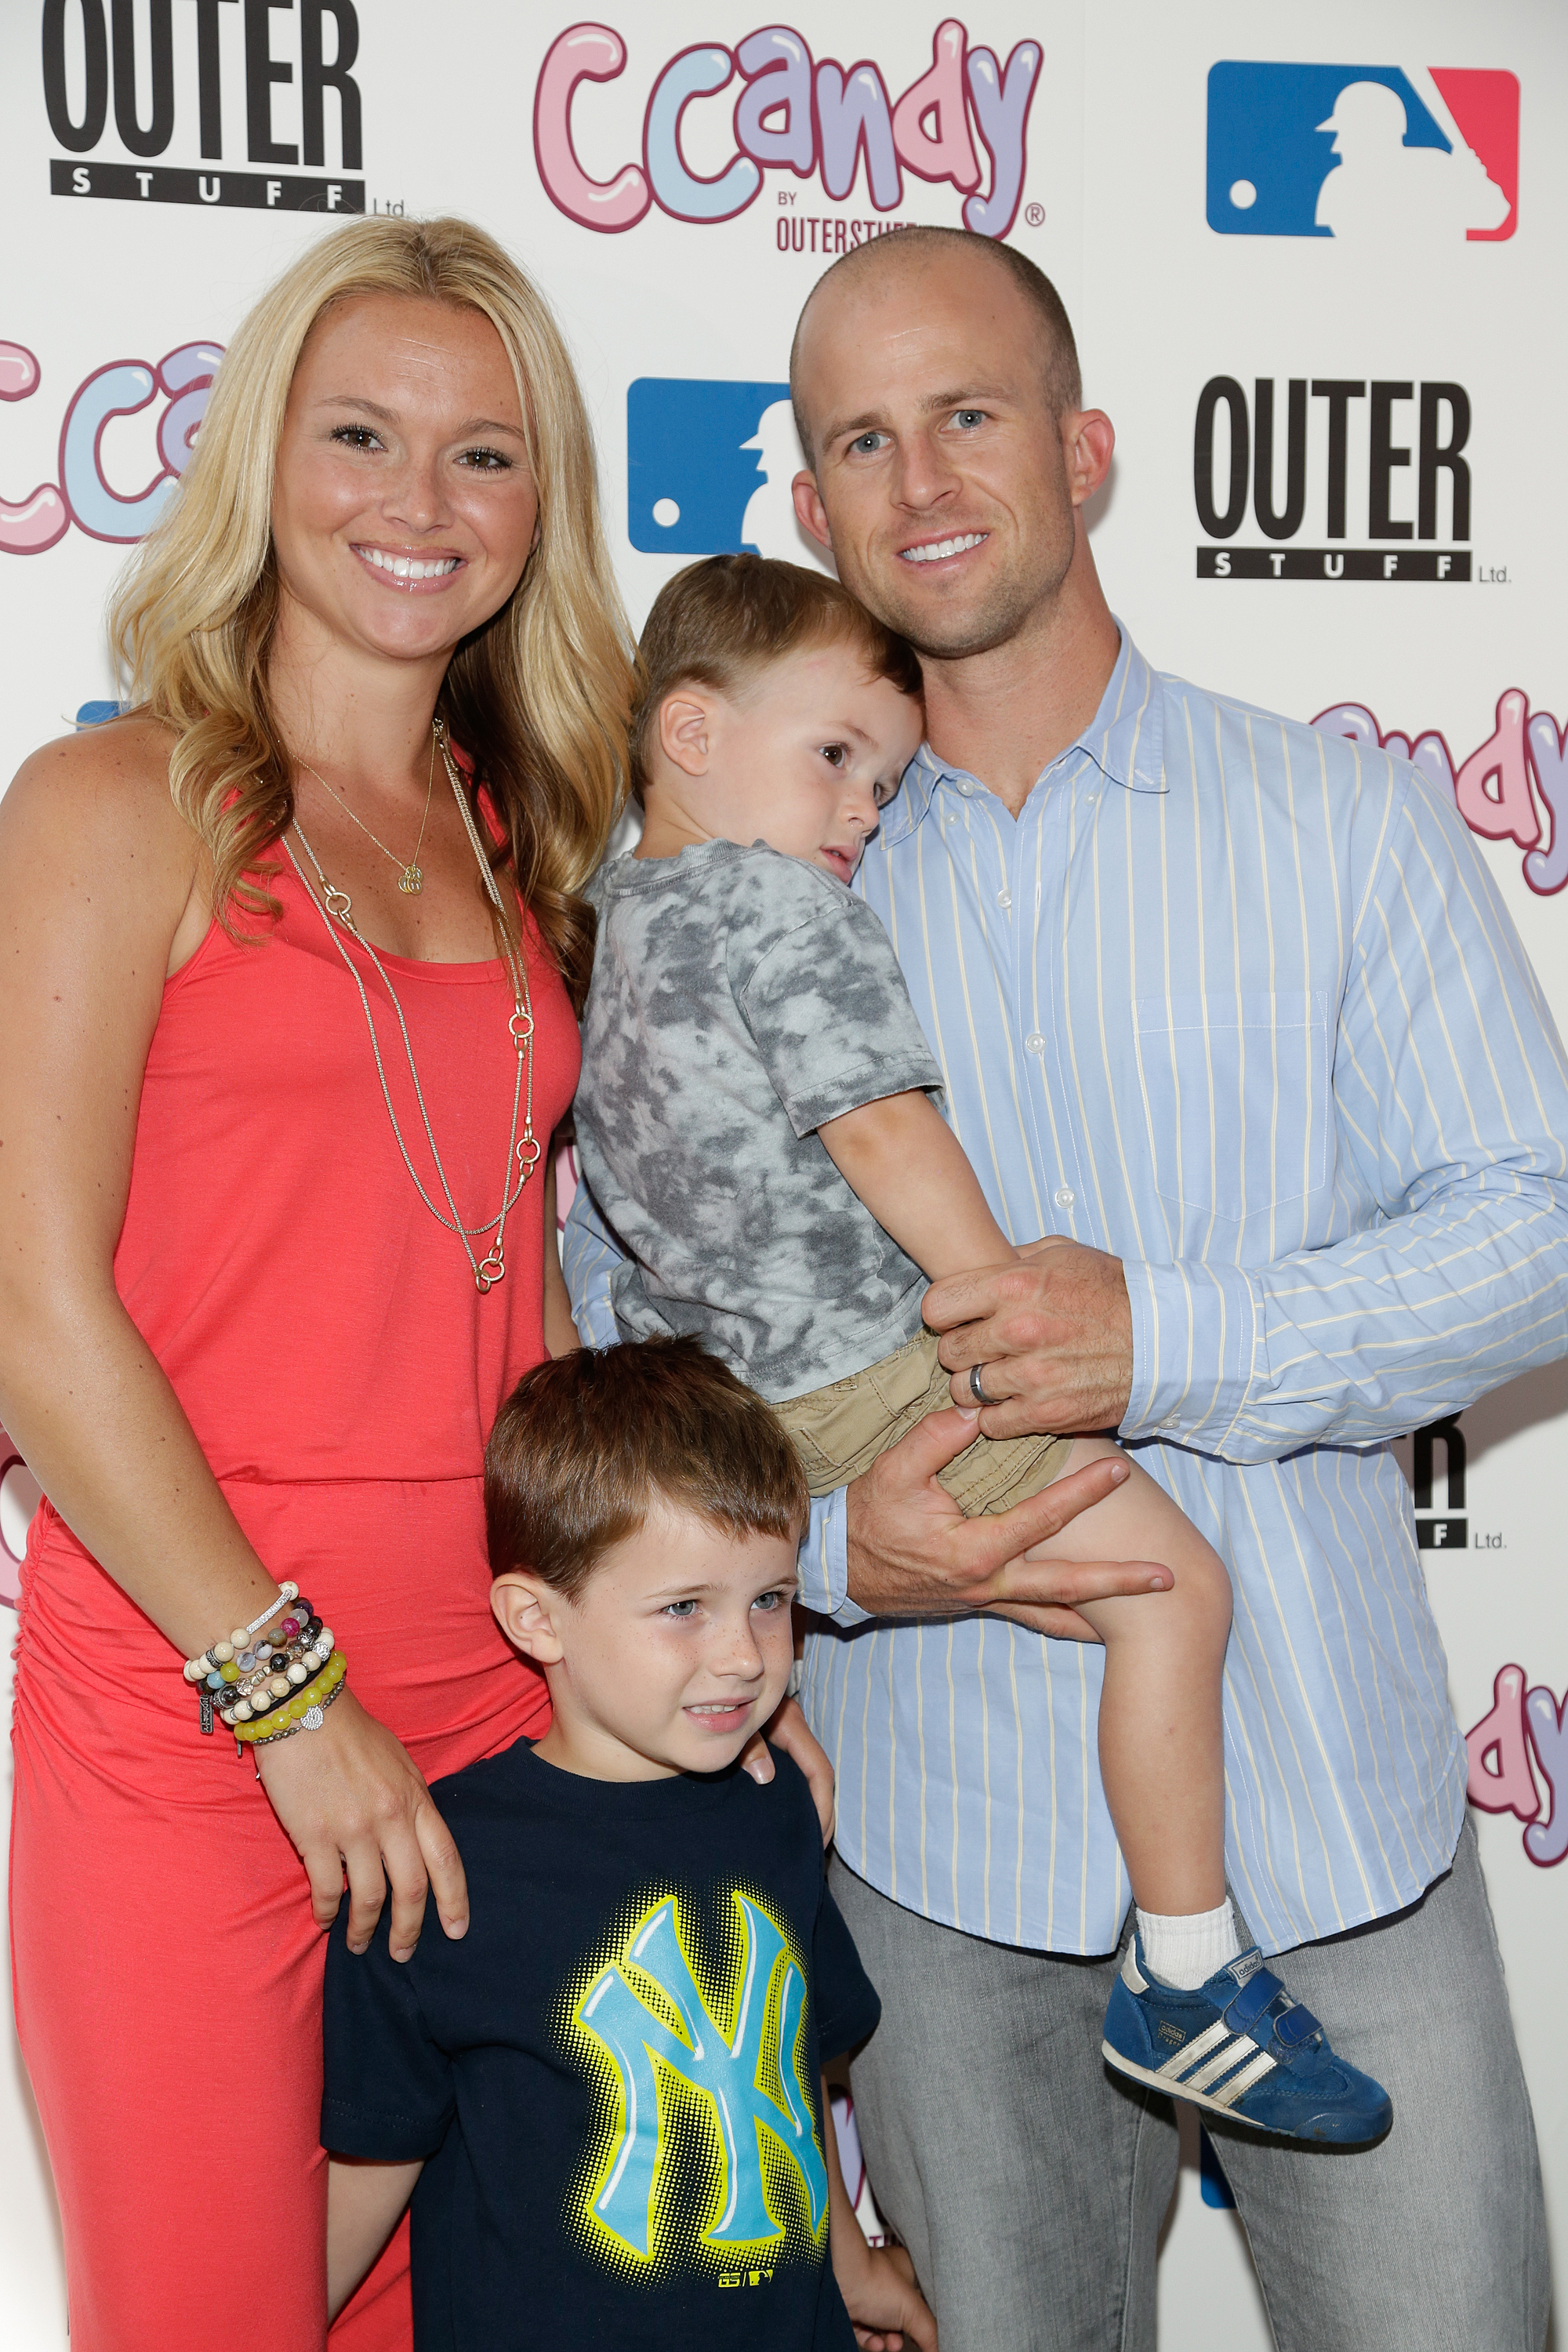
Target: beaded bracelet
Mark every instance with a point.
(241, 1685)
(287, 1730)
(277, 1660)
(258, 1696)
(220, 1653)
(282, 1677)
(220, 1665)
(302, 1710)
(258, 1659)
(267, 1707)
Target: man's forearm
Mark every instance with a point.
(1360, 1342)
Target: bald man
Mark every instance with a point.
(1230, 1013)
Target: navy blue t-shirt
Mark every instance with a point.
(614, 2074)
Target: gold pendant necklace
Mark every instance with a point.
(336, 912)
(410, 876)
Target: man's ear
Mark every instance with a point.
(686, 730)
(810, 512)
(1089, 442)
(528, 1610)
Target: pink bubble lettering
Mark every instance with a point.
(794, 114)
(84, 495)
(19, 371)
(583, 53)
(1523, 1736)
(43, 517)
(1507, 813)
(1512, 787)
(945, 151)
(1500, 1780)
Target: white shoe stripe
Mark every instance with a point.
(1237, 2083)
(1176, 2090)
(1233, 2053)
(1195, 2051)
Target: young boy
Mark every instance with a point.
(755, 1121)
(609, 2092)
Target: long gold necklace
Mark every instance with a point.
(336, 912)
(410, 879)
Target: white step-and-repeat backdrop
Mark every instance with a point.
(1313, 255)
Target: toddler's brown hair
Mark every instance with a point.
(721, 621)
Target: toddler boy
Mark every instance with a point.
(754, 1119)
(607, 2099)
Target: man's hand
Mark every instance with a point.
(1054, 1336)
(912, 1553)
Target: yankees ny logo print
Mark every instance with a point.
(652, 2028)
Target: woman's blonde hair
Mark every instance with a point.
(538, 697)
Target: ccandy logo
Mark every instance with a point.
(962, 120)
(674, 2078)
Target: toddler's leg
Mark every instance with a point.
(1161, 1745)
(1181, 2018)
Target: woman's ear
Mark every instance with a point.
(526, 1610)
(686, 730)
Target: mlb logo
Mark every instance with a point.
(1366, 154)
(709, 469)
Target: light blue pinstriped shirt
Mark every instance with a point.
(1240, 1002)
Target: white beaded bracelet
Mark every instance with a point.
(197, 1669)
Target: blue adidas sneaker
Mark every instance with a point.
(1240, 2047)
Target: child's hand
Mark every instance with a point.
(886, 2309)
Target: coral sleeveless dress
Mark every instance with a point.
(341, 1370)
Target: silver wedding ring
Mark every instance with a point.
(975, 1391)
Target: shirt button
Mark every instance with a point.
(1004, 897)
(967, 791)
(1064, 1196)
(1034, 1042)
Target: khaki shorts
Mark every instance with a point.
(840, 1431)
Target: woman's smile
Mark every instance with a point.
(405, 570)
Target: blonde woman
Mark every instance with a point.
(286, 1022)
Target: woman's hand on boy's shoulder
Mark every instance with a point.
(789, 1729)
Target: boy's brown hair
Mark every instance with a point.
(587, 1442)
(721, 621)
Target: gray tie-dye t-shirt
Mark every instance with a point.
(741, 999)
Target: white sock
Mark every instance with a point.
(1185, 1949)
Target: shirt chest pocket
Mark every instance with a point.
(1236, 1089)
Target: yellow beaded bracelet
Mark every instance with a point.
(290, 1714)
(294, 1711)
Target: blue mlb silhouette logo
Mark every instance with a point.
(1359, 153)
(700, 451)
